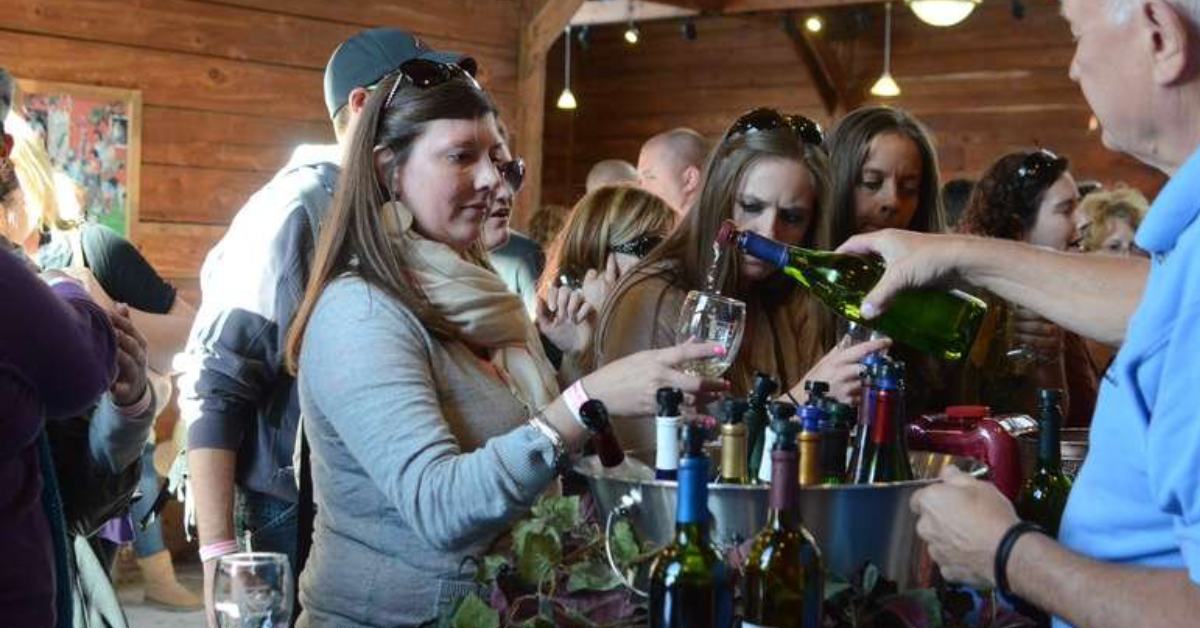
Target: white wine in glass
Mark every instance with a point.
(707, 317)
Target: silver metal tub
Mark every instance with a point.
(852, 524)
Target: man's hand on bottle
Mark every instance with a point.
(913, 260)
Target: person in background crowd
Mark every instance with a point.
(113, 271)
(1088, 187)
(671, 165)
(7, 89)
(1106, 221)
(516, 258)
(236, 394)
(611, 172)
(546, 222)
(608, 231)
(885, 175)
(955, 194)
(1127, 552)
(770, 175)
(1028, 196)
(433, 415)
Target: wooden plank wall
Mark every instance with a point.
(229, 88)
(985, 87)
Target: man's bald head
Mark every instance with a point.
(671, 164)
(611, 172)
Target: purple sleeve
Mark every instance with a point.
(56, 338)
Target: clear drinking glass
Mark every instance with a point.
(253, 590)
(708, 317)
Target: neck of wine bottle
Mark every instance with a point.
(1049, 438)
(941, 323)
(785, 493)
(733, 454)
(691, 514)
(810, 445)
(756, 420)
(666, 452)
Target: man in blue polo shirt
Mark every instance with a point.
(1128, 552)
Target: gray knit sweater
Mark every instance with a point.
(420, 458)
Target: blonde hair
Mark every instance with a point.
(1102, 208)
(605, 217)
(50, 195)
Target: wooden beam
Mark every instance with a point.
(543, 21)
(700, 6)
(609, 12)
(823, 67)
(750, 6)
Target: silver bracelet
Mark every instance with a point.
(540, 424)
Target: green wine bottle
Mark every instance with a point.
(756, 422)
(1044, 495)
(783, 581)
(691, 586)
(941, 323)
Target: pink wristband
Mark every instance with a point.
(576, 396)
(217, 550)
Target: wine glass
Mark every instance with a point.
(708, 317)
(253, 590)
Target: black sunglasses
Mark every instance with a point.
(767, 119)
(425, 73)
(513, 173)
(1040, 166)
(637, 247)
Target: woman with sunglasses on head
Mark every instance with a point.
(1028, 196)
(433, 416)
(606, 233)
(885, 176)
(770, 175)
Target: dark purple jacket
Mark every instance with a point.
(57, 356)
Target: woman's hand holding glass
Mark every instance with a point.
(1033, 338)
(627, 386)
(712, 318)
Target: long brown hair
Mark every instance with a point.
(605, 217)
(683, 259)
(356, 234)
(848, 145)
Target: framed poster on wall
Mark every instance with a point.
(94, 136)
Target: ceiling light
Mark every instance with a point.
(814, 24)
(886, 86)
(942, 12)
(566, 100)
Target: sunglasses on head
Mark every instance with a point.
(767, 119)
(425, 73)
(638, 247)
(513, 173)
(1039, 166)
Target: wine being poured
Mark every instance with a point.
(943, 323)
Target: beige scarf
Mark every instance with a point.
(486, 314)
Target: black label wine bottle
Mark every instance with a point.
(783, 583)
(691, 586)
(1044, 495)
(938, 322)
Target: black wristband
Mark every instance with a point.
(1007, 542)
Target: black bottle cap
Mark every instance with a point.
(782, 410)
(669, 400)
(813, 387)
(694, 436)
(785, 434)
(764, 387)
(734, 410)
(595, 416)
(838, 413)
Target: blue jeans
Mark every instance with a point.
(270, 521)
(149, 541)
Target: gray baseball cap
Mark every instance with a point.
(367, 57)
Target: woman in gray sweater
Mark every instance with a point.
(433, 416)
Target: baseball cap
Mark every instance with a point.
(367, 57)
